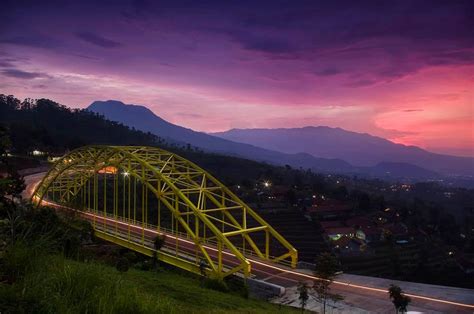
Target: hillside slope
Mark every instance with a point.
(356, 148)
(145, 120)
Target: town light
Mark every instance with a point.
(266, 184)
(125, 174)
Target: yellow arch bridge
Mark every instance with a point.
(132, 194)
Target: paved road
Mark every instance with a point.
(360, 292)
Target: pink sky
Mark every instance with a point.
(207, 70)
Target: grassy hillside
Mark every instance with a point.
(51, 263)
(55, 284)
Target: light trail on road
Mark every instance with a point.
(253, 261)
(257, 265)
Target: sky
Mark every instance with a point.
(402, 70)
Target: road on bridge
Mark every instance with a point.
(357, 293)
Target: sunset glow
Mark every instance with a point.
(402, 71)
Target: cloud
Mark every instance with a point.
(267, 43)
(15, 73)
(328, 72)
(189, 115)
(362, 83)
(98, 40)
(32, 40)
(465, 56)
(413, 110)
(5, 64)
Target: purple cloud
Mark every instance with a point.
(98, 40)
(23, 74)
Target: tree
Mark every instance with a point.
(326, 270)
(12, 184)
(158, 243)
(303, 296)
(399, 300)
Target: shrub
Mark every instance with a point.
(216, 284)
(122, 265)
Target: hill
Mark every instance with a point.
(48, 126)
(59, 285)
(359, 149)
(143, 119)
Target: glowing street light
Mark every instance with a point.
(266, 184)
(125, 174)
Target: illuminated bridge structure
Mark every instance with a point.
(132, 194)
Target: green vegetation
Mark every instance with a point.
(438, 218)
(326, 270)
(48, 126)
(303, 295)
(51, 263)
(47, 266)
(54, 284)
(399, 300)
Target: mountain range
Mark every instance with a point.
(323, 149)
(143, 119)
(359, 149)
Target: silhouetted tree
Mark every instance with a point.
(326, 270)
(303, 295)
(399, 300)
(158, 243)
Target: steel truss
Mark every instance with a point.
(150, 188)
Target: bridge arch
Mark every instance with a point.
(223, 230)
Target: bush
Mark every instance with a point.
(239, 287)
(131, 256)
(216, 284)
(122, 265)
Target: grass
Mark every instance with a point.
(50, 283)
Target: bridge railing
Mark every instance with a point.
(183, 235)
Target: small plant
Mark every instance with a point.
(216, 284)
(326, 270)
(122, 265)
(303, 296)
(131, 256)
(399, 300)
(159, 241)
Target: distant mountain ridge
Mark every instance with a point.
(359, 149)
(143, 119)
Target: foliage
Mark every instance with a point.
(37, 277)
(326, 270)
(122, 265)
(399, 300)
(303, 294)
(48, 126)
(53, 284)
(326, 266)
(11, 184)
(159, 241)
(216, 284)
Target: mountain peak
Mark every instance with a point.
(101, 105)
